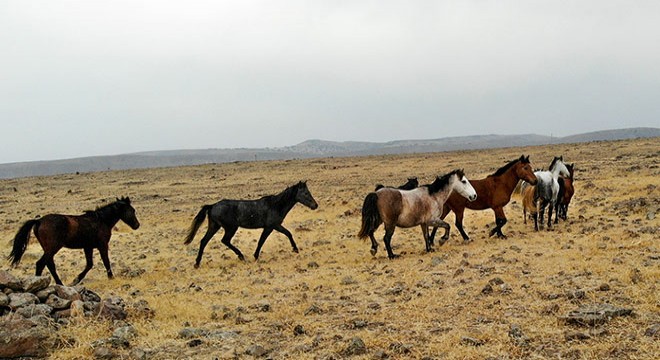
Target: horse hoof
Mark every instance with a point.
(196, 266)
(373, 251)
(394, 256)
(296, 251)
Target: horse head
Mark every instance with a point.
(557, 166)
(127, 213)
(304, 197)
(525, 171)
(462, 185)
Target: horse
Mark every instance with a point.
(493, 192)
(267, 213)
(529, 204)
(408, 208)
(411, 184)
(547, 187)
(566, 191)
(89, 231)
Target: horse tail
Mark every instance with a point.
(370, 216)
(21, 242)
(197, 222)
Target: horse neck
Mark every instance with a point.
(285, 200)
(108, 216)
(442, 195)
(509, 178)
(555, 172)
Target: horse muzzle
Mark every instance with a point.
(135, 226)
(314, 206)
(472, 197)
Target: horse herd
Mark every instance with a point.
(406, 206)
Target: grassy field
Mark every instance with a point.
(313, 304)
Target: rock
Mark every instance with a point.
(34, 284)
(263, 306)
(488, 289)
(517, 336)
(126, 332)
(142, 308)
(653, 331)
(77, 308)
(10, 281)
(401, 348)
(57, 302)
(348, 280)
(45, 293)
(314, 309)
(23, 338)
(189, 333)
(313, 265)
(496, 281)
(194, 343)
(17, 300)
(465, 340)
(112, 308)
(112, 342)
(355, 347)
(31, 310)
(256, 351)
(104, 353)
(86, 294)
(298, 330)
(138, 354)
(4, 299)
(604, 287)
(594, 314)
(67, 293)
(576, 335)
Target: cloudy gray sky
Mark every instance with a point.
(83, 78)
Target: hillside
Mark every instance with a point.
(307, 149)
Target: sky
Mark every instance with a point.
(86, 78)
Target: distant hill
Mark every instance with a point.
(307, 149)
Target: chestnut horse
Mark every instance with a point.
(408, 208)
(89, 231)
(493, 192)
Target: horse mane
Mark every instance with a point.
(104, 210)
(554, 161)
(442, 181)
(506, 167)
(285, 196)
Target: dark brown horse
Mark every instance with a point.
(409, 185)
(566, 191)
(493, 192)
(89, 231)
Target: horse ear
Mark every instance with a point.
(561, 158)
(522, 157)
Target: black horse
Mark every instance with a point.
(89, 231)
(267, 213)
(411, 184)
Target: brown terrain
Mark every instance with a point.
(488, 299)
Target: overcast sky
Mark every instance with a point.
(84, 78)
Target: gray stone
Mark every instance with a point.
(355, 347)
(31, 310)
(594, 314)
(34, 284)
(4, 299)
(8, 280)
(77, 308)
(67, 292)
(112, 309)
(57, 302)
(23, 338)
(466, 340)
(189, 333)
(104, 353)
(653, 331)
(17, 300)
(256, 350)
(125, 332)
(45, 293)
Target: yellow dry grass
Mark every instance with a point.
(421, 305)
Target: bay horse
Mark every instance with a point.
(493, 192)
(407, 208)
(409, 185)
(89, 231)
(267, 213)
(547, 188)
(566, 191)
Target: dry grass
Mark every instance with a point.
(416, 306)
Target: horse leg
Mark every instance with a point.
(88, 266)
(103, 250)
(459, 224)
(445, 225)
(374, 245)
(389, 231)
(425, 233)
(536, 222)
(445, 212)
(51, 267)
(500, 220)
(286, 232)
(41, 264)
(550, 206)
(226, 239)
(210, 231)
(262, 240)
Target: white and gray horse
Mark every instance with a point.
(547, 187)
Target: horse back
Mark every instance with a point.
(72, 231)
(249, 214)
